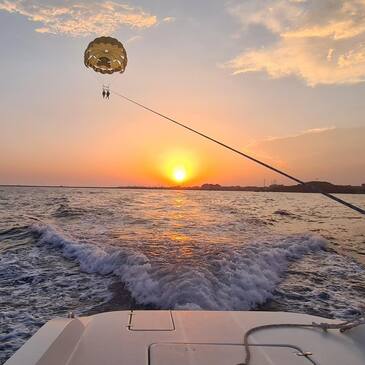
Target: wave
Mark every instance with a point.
(13, 237)
(285, 213)
(37, 285)
(13, 231)
(236, 278)
(64, 210)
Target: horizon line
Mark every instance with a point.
(164, 186)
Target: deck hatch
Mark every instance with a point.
(222, 354)
(144, 321)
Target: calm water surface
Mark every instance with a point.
(92, 250)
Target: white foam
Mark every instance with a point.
(37, 285)
(237, 278)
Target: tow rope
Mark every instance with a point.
(342, 327)
(313, 188)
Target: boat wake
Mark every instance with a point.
(277, 272)
(231, 279)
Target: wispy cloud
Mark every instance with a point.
(169, 19)
(307, 131)
(80, 18)
(134, 39)
(321, 42)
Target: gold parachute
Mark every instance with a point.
(106, 55)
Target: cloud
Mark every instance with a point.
(307, 131)
(80, 18)
(169, 19)
(317, 130)
(321, 42)
(134, 39)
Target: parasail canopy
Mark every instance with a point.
(106, 55)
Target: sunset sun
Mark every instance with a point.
(178, 166)
(179, 174)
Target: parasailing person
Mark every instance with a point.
(106, 55)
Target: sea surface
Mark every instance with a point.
(93, 250)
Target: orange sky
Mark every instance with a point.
(225, 69)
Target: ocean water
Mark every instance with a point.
(93, 250)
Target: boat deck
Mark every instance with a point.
(189, 338)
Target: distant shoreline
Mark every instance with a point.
(309, 187)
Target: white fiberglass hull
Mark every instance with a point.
(190, 338)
